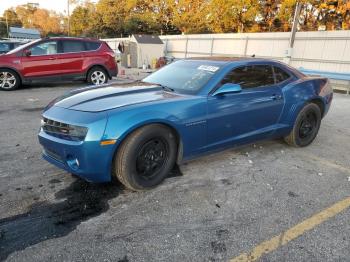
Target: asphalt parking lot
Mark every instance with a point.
(264, 201)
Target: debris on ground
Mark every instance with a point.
(250, 161)
(320, 174)
(269, 186)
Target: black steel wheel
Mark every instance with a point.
(306, 126)
(146, 157)
(151, 157)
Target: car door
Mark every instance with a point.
(40, 60)
(72, 58)
(253, 112)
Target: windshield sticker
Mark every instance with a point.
(208, 68)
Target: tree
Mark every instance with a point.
(234, 15)
(25, 14)
(110, 17)
(190, 16)
(81, 20)
(47, 22)
(12, 18)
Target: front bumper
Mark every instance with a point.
(86, 159)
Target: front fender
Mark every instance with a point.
(120, 125)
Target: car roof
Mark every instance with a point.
(229, 59)
(72, 38)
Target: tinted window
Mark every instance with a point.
(46, 48)
(280, 74)
(251, 76)
(72, 46)
(91, 46)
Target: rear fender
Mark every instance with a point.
(301, 92)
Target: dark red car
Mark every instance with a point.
(58, 59)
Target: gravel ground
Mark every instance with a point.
(211, 209)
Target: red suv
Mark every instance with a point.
(57, 59)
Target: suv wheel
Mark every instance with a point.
(9, 80)
(97, 76)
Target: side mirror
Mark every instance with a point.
(27, 52)
(228, 88)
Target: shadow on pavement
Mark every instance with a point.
(78, 202)
(75, 204)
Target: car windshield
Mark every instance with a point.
(21, 47)
(184, 76)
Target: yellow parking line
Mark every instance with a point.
(327, 162)
(292, 233)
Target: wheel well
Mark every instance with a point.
(319, 103)
(14, 71)
(173, 130)
(94, 66)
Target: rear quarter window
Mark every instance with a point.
(280, 74)
(92, 46)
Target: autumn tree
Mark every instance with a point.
(9, 17)
(231, 15)
(81, 20)
(190, 16)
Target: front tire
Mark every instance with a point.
(146, 157)
(305, 127)
(97, 76)
(9, 80)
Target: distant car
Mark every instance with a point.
(8, 45)
(57, 59)
(185, 109)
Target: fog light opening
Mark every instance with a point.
(73, 162)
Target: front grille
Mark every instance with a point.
(52, 126)
(61, 130)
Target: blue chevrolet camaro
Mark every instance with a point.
(137, 132)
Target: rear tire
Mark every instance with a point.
(146, 157)
(305, 127)
(9, 80)
(97, 76)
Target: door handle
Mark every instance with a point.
(52, 58)
(276, 97)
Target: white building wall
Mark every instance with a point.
(318, 50)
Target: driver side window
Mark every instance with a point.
(251, 76)
(46, 48)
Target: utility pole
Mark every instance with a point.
(7, 26)
(289, 51)
(68, 17)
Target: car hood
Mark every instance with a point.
(97, 99)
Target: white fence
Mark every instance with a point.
(324, 50)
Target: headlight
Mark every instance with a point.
(77, 131)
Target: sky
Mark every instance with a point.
(56, 5)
